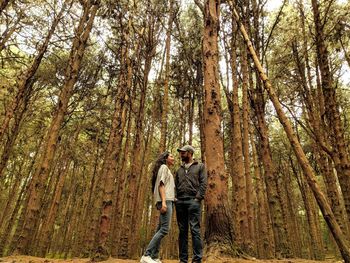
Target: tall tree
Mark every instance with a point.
(219, 232)
(113, 148)
(165, 102)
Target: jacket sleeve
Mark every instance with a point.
(176, 183)
(202, 182)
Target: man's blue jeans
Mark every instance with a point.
(188, 213)
(162, 230)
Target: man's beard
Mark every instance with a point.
(185, 159)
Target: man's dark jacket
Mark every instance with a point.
(191, 182)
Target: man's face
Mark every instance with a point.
(185, 156)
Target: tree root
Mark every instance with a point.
(101, 254)
(217, 251)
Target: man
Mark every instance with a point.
(190, 185)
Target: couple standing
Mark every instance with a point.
(187, 192)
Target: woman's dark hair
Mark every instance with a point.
(161, 160)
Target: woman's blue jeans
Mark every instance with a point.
(162, 230)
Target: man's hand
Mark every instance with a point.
(163, 208)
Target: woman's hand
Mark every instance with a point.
(163, 208)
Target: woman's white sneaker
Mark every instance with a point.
(147, 259)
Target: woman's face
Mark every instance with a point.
(170, 160)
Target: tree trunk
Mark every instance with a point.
(316, 245)
(245, 120)
(112, 155)
(118, 231)
(48, 223)
(270, 175)
(132, 202)
(240, 206)
(266, 242)
(5, 237)
(218, 232)
(12, 136)
(258, 102)
(165, 102)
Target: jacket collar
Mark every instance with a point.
(194, 163)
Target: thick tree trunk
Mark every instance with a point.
(328, 215)
(218, 232)
(43, 169)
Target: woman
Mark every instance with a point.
(163, 188)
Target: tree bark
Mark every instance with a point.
(238, 174)
(266, 244)
(218, 232)
(245, 120)
(112, 154)
(12, 136)
(132, 202)
(165, 102)
(315, 239)
(48, 222)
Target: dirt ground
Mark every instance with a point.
(29, 259)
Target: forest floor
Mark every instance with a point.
(29, 259)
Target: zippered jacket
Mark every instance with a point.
(191, 182)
